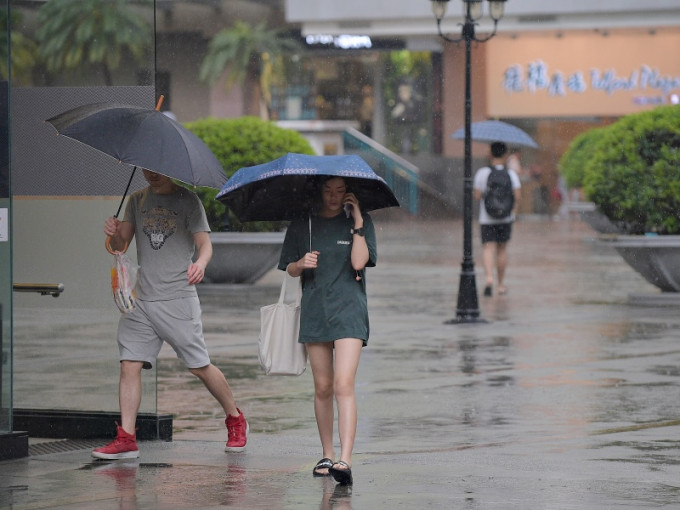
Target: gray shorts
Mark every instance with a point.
(142, 332)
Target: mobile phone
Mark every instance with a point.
(348, 209)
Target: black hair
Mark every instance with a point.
(498, 149)
(327, 178)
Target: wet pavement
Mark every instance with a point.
(566, 397)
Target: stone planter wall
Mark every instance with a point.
(656, 258)
(243, 257)
(588, 213)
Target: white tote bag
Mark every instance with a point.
(279, 350)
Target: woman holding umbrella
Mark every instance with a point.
(330, 251)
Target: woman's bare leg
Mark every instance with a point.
(321, 361)
(347, 354)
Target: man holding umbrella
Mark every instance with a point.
(169, 222)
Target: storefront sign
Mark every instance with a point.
(582, 75)
(345, 42)
(536, 76)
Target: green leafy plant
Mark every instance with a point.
(237, 143)
(573, 162)
(633, 174)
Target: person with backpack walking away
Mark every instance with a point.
(498, 190)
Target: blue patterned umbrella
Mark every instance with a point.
(287, 188)
(490, 131)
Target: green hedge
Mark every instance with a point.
(573, 162)
(633, 174)
(237, 143)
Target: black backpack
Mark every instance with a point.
(499, 197)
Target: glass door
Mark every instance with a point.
(5, 232)
(65, 350)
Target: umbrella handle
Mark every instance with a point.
(107, 243)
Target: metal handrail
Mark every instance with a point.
(384, 151)
(44, 289)
(401, 175)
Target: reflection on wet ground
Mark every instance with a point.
(562, 364)
(565, 398)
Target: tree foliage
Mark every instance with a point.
(237, 143)
(247, 52)
(76, 33)
(24, 49)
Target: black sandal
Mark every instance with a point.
(324, 463)
(342, 476)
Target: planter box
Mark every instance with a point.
(656, 258)
(243, 257)
(588, 213)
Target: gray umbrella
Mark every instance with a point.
(142, 138)
(490, 131)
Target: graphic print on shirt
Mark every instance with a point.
(159, 224)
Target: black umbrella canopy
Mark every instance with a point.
(142, 138)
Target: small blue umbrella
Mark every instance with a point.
(490, 131)
(288, 187)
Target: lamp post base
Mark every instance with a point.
(468, 305)
(466, 319)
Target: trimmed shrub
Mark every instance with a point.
(633, 175)
(237, 143)
(573, 162)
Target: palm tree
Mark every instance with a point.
(77, 33)
(24, 50)
(249, 54)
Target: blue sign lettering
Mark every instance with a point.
(557, 85)
(537, 77)
(512, 79)
(576, 82)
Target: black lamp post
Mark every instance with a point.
(468, 304)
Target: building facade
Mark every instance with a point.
(554, 69)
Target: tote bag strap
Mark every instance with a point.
(298, 294)
(282, 295)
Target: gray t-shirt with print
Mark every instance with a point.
(164, 229)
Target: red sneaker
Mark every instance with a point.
(124, 446)
(237, 427)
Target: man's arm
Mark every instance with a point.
(518, 197)
(196, 270)
(121, 233)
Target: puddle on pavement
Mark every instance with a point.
(123, 464)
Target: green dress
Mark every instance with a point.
(333, 301)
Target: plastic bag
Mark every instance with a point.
(123, 281)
